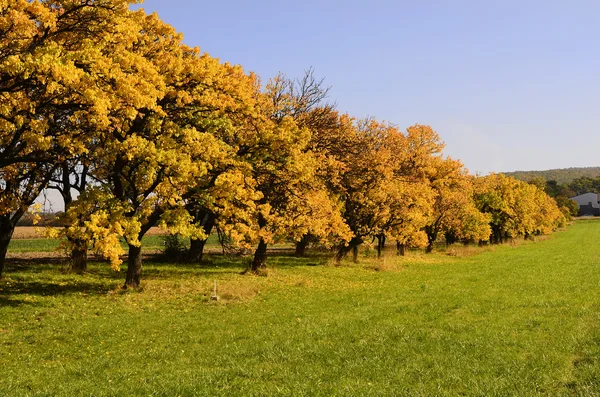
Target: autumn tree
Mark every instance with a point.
(304, 101)
(515, 208)
(294, 202)
(50, 99)
(382, 182)
(361, 181)
(71, 180)
(454, 212)
(155, 154)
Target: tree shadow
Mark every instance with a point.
(31, 265)
(49, 288)
(11, 302)
(287, 258)
(31, 276)
(156, 267)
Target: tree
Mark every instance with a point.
(49, 93)
(454, 211)
(382, 182)
(293, 201)
(585, 185)
(516, 208)
(364, 176)
(151, 159)
(72, 175)
(568, 207)
(304, 101)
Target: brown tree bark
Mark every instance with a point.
(78, 255)
(301, 245)
(4, 241)
(7, 228)
(134, 268)
(450, 238)
(432, 233)
(260, 257)
(400, 248)
(380, 245)
(196, 252)
(343, 250)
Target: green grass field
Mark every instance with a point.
(510, 320)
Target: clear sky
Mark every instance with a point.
(508, 85)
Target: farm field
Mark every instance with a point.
(29, 240)
(521, 319)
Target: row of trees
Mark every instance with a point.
(134, 128)
(562, 193)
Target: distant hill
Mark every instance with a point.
(561, 175)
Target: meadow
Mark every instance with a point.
(517, 319)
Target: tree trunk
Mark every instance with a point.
(450, 238)
(301, 245)
(380, 244)
(401, 248)
(496, 235)
(355, 253)
(4, 241)
(431, 232)
(7, 227)
(260, 257)
(134, 268)
(78, 255)
(351, 246)
(342, 252)
(196, 252)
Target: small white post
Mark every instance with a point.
(215, 297)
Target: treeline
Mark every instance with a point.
(576, 187)
(560, 175)
(133, 128)
(562, 193)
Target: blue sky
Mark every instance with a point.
(507, 84)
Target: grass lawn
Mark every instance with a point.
(511, 320)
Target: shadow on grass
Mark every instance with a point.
(54, 288)
(8, 302)
(32, 264)
(157, 267)
(50, 277)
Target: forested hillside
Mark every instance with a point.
(560, 175)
